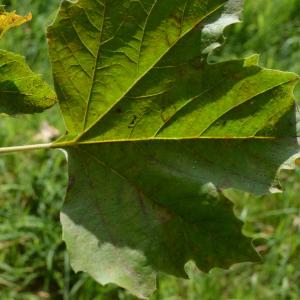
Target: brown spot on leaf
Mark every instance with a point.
(119, 110)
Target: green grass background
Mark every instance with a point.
(33, 260)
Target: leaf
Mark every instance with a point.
(155, 134)
(21, 90)
(9, 20)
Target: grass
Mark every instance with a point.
(34, 264)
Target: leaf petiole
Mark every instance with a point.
(6, 150)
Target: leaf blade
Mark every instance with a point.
(133, 234)
(21, 90)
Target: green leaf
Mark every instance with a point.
(155, 134)
(21, 90)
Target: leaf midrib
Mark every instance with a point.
(76, 143)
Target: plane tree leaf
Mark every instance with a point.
(21, 90)
(155, 134)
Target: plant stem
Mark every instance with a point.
(6, 150)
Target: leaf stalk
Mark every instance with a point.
(13, 149)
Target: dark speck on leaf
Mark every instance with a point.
(70, 182)
(132, 123)
(224, 122)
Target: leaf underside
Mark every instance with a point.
(21, 90)
(155, 133)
